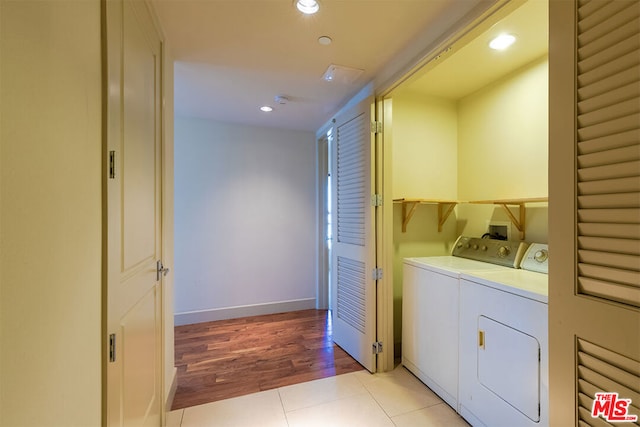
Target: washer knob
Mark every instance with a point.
(503, 251)
(484, 248)
(475, 247)
(541, 255)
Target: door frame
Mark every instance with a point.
(466, 29)
(322, 264)
(445, 46)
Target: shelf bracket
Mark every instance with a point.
(518, 222)
(445, 207)
(406, 216)
(444, 214)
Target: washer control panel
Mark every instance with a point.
(500, 252)
(536, 258)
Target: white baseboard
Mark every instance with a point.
(172, 390)
(190, 317)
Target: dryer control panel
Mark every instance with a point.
(536, 258)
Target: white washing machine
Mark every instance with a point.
(503, 364)
(430, 308)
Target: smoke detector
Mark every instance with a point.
(281, 99)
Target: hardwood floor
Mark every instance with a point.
(230, 358)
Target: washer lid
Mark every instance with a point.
(451, 266)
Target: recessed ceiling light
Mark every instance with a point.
(308, 7)
(266, 109)
(324, 40)
(502, 42)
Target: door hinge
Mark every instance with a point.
(377, 347)
(112, 348)
(161, 270)
(376, 273)
(112, 164)
(376, 127)
(376, 200)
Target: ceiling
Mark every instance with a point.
(474, 65)
(233, 56)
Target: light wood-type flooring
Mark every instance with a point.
(230, 358)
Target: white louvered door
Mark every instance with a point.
(353, 251)
(594, 208)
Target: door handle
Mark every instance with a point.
(481, 339)
(161, 270)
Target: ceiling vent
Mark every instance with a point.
(341, 74)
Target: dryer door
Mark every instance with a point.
(509, 365)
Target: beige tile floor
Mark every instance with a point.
(394, 398)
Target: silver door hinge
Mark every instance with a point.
(376, 200)
(376, 127)
(377, 347)
(161, 270)
(376, 273)
(112, 164)
(112, 348)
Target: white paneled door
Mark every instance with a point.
(353, 251)
(133, 183)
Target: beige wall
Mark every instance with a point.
(503, 150)
(424, 152)
(502, 137)
(50, 213)
(424, 156)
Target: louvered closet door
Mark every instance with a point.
(353, 252)
(594, 207)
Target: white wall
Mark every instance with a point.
(245, 210)
(50, 213)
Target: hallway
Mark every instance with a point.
(357, 399)
(230, 358)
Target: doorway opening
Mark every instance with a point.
(325, 232)
(328, 228)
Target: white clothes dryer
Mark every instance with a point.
(430, 308)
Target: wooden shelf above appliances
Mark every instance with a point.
(445, 207)
(519, 222)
